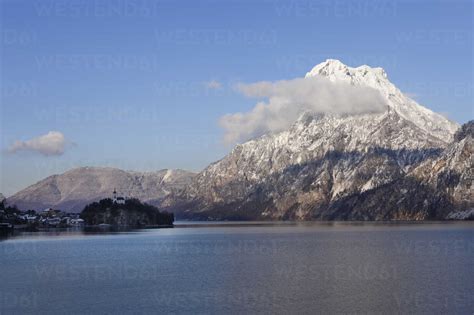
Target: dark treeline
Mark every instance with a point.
(132, 213)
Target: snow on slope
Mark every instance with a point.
(405, 125)
(376, 78)
(405, 134)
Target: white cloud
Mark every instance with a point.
(286, 100)
(213, 84)
(52, 143)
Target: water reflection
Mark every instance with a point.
(199, 227)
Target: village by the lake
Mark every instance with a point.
(112, 212)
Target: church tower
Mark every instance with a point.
(118, 200)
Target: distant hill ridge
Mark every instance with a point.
(72, 190)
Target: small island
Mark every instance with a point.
(125, 213)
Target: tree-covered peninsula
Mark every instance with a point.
(131, 212)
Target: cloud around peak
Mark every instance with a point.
(283, 102)
(51, 144)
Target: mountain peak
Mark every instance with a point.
(328, 66)
(376, 78)
(336, 70)
(330, 63)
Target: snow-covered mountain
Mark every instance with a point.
(431, 122)
(405, 163)
(301, 172)
(72, 190)
(441, 187)
(453, 172)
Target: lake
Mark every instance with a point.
(197, 268)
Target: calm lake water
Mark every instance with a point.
(243, 268)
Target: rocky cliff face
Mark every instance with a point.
(332, 166)
(438, 188)
(452, 172)
(375, 184)
(72, 190)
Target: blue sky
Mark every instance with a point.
(141, 84)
